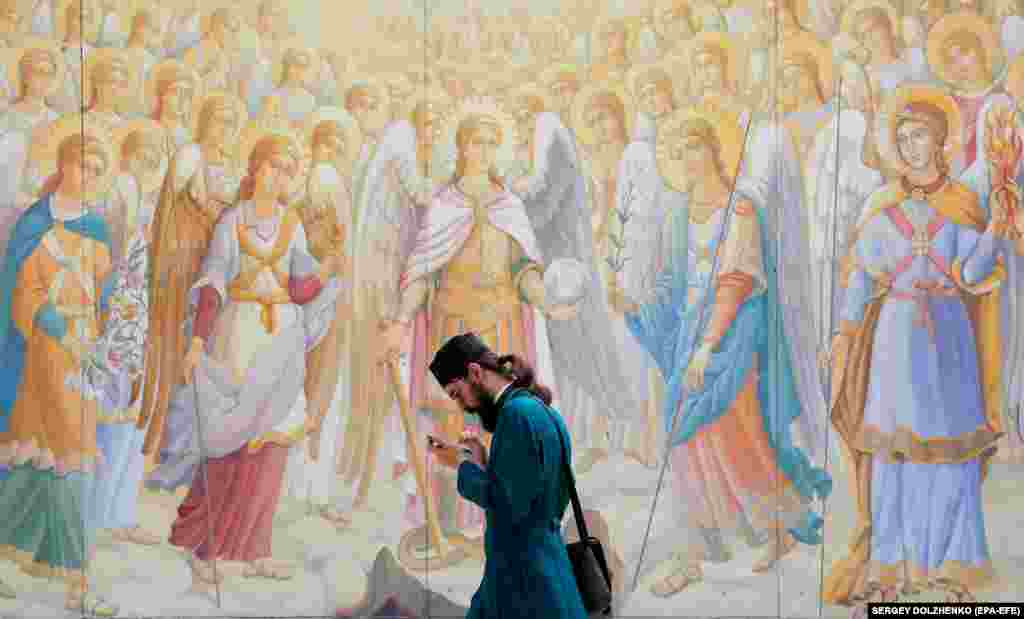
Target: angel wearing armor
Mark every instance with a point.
(475, 265)
(731, 390)
(261, 303)
(923, 304)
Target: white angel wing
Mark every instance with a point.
(386, 222)
(582, 350)
(772, 181)
(838, 186)
(14, 146)
(639, 217)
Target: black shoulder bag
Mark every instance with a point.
(586, 556)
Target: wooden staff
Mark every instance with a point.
(437, 540)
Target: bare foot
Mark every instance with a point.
(204, 576)
(338, 519)
(776, 551)
(135, 535)
(89, 604)
(683, 575)
(265, 568)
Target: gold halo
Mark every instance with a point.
(230, 99)
(122, 132)
(170, 69)
(950, 24)
(252, 135)
(100, 55)
(717, 39)
(582, 100)
(669, 66)
(91, 30)
(910, 93)
(13, 58)
(352, 135)
(822, 59)
(726, 128)
(44, 150)
(277, 64)
(849, 16)
(484, 106)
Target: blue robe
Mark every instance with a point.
(527, 573)
(669, 328)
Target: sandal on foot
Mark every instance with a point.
(91, 605)
(135, 535)
(266, 570)
(204, 572)
(682, 577)
(336, 518)
(775, 553)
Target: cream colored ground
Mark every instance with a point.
(153, 581)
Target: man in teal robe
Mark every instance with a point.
(519, 485)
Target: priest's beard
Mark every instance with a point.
(486, 409)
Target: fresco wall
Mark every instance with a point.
(768, 255)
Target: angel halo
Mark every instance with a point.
(476, 113)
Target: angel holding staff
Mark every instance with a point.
(922, 304)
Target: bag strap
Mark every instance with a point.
(577, 508)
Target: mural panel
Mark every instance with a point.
(767, 255)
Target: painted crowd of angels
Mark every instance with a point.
(731, 236)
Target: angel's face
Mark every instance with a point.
(614, 40)
(277, 174)
(331, 145)
(147, 158)
(481, 149)
(916, 144)
(708, 73)
(220, 128)
(694, 154)
(603, 122)
(428, 128)
(966, 62)
(371, 112)
(40, 79)
(873, 34)
(175, 97)
(672, 24)
(655, 100)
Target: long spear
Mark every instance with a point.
(701, 319)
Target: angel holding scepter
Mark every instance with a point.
(922, 304)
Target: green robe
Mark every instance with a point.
(527, 573)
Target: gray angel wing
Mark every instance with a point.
(582, 350)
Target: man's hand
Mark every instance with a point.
(479, 451)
